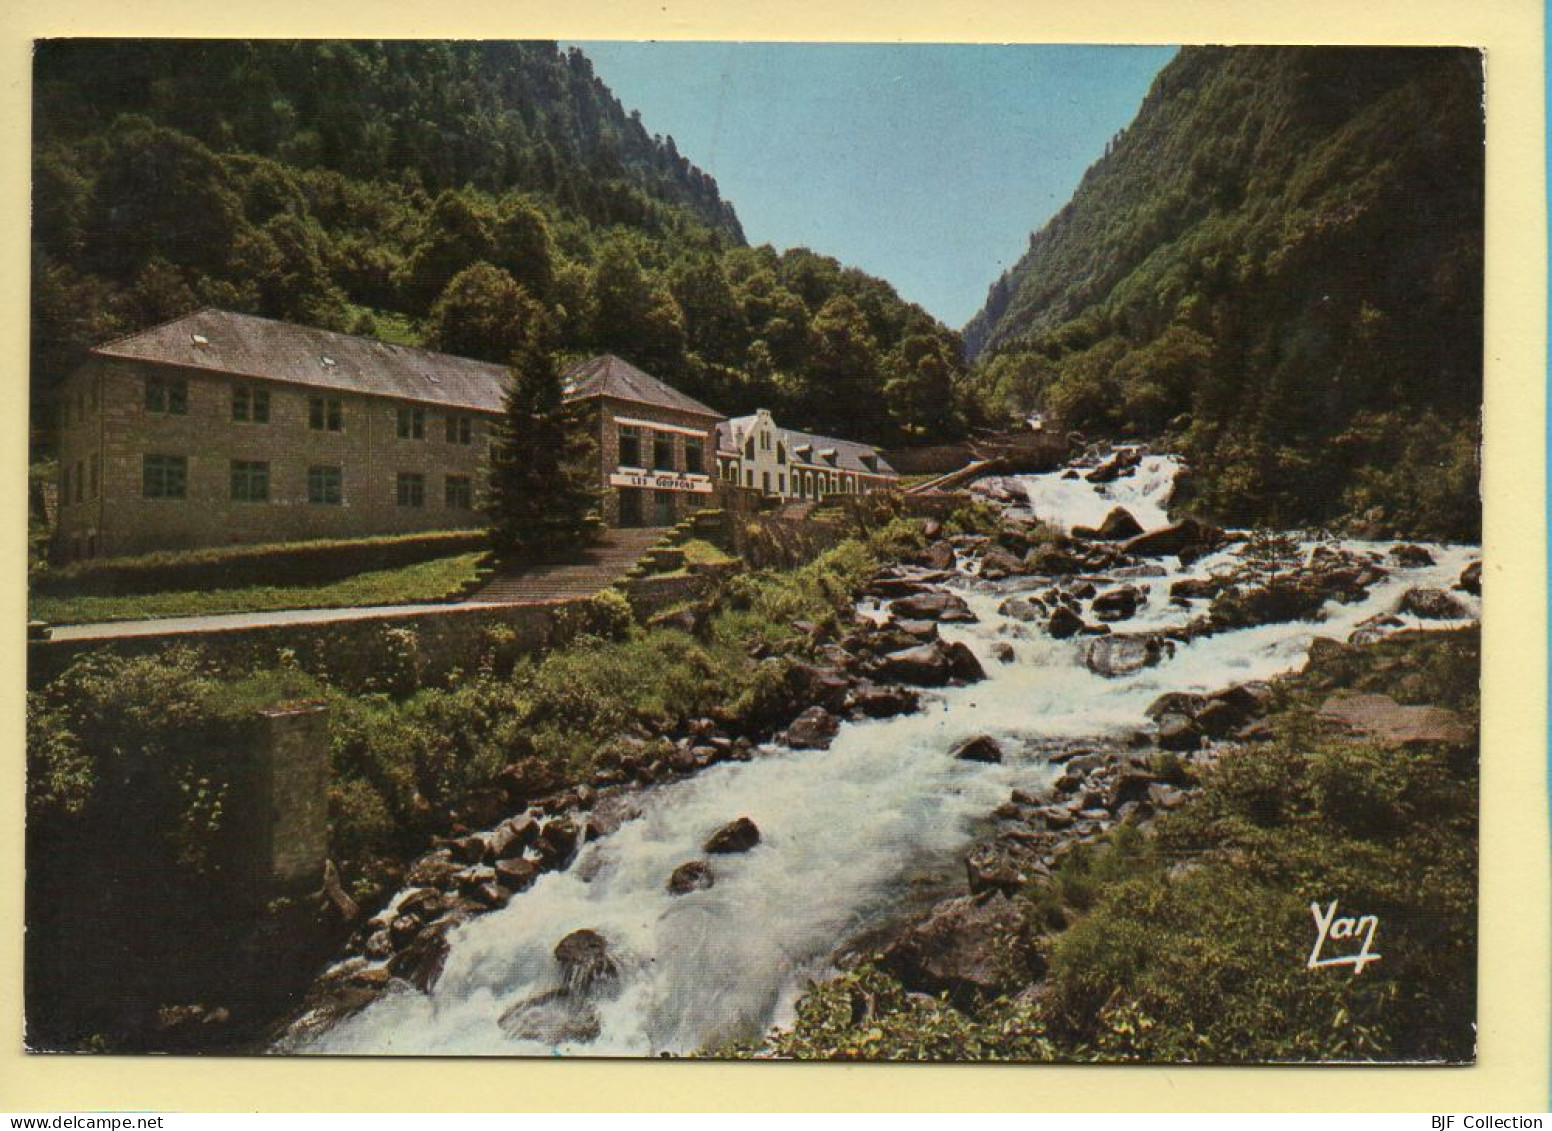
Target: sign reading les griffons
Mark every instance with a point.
(665, 482)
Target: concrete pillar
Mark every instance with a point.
(291, 770)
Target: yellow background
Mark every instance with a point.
(1513, 1071)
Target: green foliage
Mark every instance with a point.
(542, 496)
(1278, 265)
(467, 196)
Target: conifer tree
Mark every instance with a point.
(542, 495)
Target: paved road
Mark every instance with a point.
(216, 622)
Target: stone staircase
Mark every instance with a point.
(580, 574)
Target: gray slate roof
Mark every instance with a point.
(243, 345)
(848, 453)
(610, 376)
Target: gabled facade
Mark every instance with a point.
(755, 452)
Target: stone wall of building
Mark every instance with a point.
(109, 431)
(684, 503)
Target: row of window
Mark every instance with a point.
(167, 477)
(169, 396)
(635, 443)
(805, 484)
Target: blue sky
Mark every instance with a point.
(928, 165)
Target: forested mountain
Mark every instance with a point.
(1279, 264)
(457, 195)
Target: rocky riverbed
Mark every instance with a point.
(994, 703)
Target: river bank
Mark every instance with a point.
(1078, 632)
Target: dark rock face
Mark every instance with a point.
(739, 835)
(814, 729)
(1471, 579)
(1178, 732)
(939, 555)
(1118, 604)
(586, 959)
(1431, 604)
(1281, 599)
(1118, 526)
(558, 841)
(1122, 463)
(926, 665)
(947, 607)
(882, 702)
(1064, 623)
(1408, 556)
(1186, 538)
(962, 948)
(554, 1018)
(1003, 652)
(982, 748)
(1027, 609)
(528, 778)
(998, 563)
(962, 664)
(420, 963)
(516, 874)
(1120, 654)
(1198, 588)
(693, 875)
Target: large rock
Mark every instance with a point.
(1471, 579)
(1118, 604)
(1004, 864)
(557, 1017)
(937, 605)
(825, 686)
(926, 665)
(1381, 718)
(1122, 654)
(420, 963)
(738, 835)
(1186, 538)
(1121, 463)
(939, 555)
(962, 664)
(1178, 732)
(981, 748)
(529, 778)
(557, 843)
(881, 702)
(1281, 599)
(1064, 623)
(693, 875)
(814, 729)
(998, 563)
(1408, 556)
(1198, 588)
(1021, 608)
(966, 946)
(586, 960)
(1118, 526)
(516, 874)
(1431, 604)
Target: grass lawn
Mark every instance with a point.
(698, 551)
(424, 581)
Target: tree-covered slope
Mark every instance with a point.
(465, 196)
(1279, 264)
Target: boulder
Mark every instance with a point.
(936, 605)
(1119, 525)
(1052, 561)
(529, 778)
(693, 875)
(1064, 623)
(982, 748)
(1280, 599)
(1186, 538)
(998, 563)
(962, 664)
(1175, 703)
(881, 702)
(1162, 796)
(1409, 556)
(1119, 464)
(421, 905)
(926, 665)
(1122, 654)
(814, 729)
(1380, 717)
(1471, 579)
(1198, 588)
(516, 874)
(1118, 604)
(1178, 732)
(420, 963)
(963, 949)
(1377, 627)
(1003, 652)
(557, 842)
(939, 555)
(1431, 604)
(586, 960)
(738, 835)
(1021, 608)
(556, 1017)
(1003, 864)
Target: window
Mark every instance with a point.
(662, 451)
(460, 430)
(781, 452)
(749, 448)
(765, 482)
(165, 477)
(325, 414)
(250, 405)
(781, 484)
(96, 471)
(167, 395)
(80, 482)
(412, 489)
(748, 478)
(765, 441)
(630, 446)
(460, 493)
(250, 481)
(325, 485)
(412, 424)
(694, 454)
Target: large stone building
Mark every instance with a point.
(219, 428)
(753, 451)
